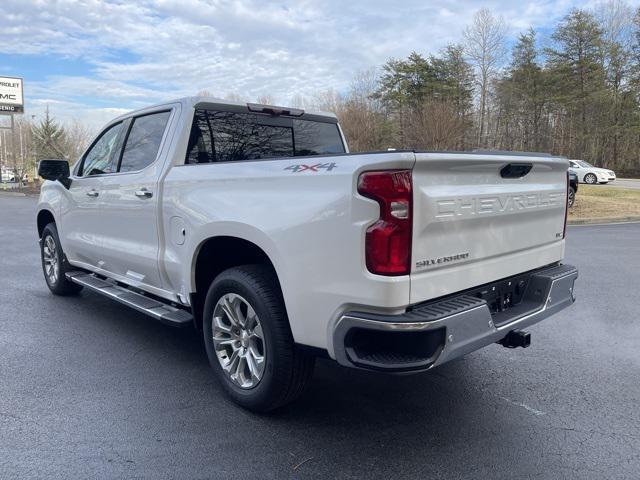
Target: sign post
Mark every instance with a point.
(11, 102)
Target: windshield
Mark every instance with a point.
(584, 164)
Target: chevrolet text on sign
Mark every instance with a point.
(11, 95)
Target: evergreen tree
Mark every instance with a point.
(577, 74)
(522, 93)
(406, 83)
(49, 138)
(456, 77)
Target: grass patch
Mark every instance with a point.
(602, 202)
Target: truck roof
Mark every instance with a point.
(191, 102)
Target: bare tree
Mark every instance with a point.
(77, 139)
(362, 115)
(435, 125)
(298, 101)
(234, 97)
(265, 99)
(486, 49)
(327, 101)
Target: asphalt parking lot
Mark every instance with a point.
(633, 184)
(90, 389)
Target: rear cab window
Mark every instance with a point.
(221, 136)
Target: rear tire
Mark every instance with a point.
(256, 328)
(54, 263)
(571, 197)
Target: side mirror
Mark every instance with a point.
(55, 170)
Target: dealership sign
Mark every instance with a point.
(11, 99)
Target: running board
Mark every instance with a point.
(167, 314)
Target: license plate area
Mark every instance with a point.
(503, 294)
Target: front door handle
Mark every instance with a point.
(144, 193)
(92, 193)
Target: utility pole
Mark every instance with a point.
(12, 97)
(11, 129)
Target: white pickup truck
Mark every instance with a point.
(254, 224)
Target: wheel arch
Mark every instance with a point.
(216, 254)
(44, 218)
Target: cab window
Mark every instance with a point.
(100, 158)
(143, 141)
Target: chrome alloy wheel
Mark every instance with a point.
(51, 260)
(238, 340)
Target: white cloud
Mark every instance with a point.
(146, 51)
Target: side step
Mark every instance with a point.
(167, 314)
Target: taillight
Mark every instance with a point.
(566, 208)
(388, 240)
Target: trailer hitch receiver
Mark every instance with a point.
(516, 338)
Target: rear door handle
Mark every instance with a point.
(144, 193)
(92, 193)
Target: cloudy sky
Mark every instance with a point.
(93, 59)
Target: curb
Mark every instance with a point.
(12, 194)
(604, 221)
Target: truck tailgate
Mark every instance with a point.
(477, 219)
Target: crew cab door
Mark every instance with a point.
(80, 226)
(129, 216)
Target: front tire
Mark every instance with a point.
(249, 342)
(590, 178)
(54, 263)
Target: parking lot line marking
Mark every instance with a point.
(526, 407)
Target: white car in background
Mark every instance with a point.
(587, 173)
(7, 176)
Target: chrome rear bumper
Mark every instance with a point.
(434, 333)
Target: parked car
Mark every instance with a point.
(206, 212)
(7, 176)
(587, 173)
(573, 188)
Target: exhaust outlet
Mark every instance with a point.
(515, 339)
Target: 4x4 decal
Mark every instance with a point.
(311, 168)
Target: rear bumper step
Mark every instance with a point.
(161, 311)
(434, 333)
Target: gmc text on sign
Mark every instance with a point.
(11, 98)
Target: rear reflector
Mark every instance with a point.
(388, 240)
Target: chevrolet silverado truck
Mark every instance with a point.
(255, 224)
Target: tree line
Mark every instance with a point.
(575, 94)
(578, 96)
(33, 140)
